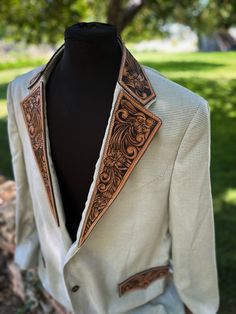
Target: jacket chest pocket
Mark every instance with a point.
(142, 279)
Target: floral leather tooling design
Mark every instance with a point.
(33, 115)
(142, 279)
(130, 131)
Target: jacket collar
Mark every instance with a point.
(130, 129)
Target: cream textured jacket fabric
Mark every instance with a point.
(146, 241)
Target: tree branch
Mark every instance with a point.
(133, 7)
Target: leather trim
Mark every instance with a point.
(131, 77)
(134, 80)
(142, 279)
(34, 79)
(131, 130)
(50, 62)
(33, 112)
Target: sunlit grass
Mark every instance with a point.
(19, 63)
(230, 196)
(3, 108)
(187, 65)
(10, 74)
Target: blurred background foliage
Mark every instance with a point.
(210, 74)
(45, 21)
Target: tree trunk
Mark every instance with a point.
(220, 40)
(121, 17)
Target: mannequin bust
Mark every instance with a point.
(90, 62)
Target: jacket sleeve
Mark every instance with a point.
(191, 220)
(26, 236)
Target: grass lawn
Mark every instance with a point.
(213, 76)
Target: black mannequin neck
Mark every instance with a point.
(79, 96)
(90, 47)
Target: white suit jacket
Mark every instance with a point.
(146, 241)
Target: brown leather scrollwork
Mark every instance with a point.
(143, 279)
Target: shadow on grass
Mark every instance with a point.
(225, 222)
(3, 91)
(5, 158)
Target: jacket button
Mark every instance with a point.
(75, 288)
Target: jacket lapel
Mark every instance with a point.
(130, 130)
(33, 112)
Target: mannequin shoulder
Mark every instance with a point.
(172, 94)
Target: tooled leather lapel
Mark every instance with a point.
(33, 112)
(131, 128)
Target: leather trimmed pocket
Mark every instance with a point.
(142, 279)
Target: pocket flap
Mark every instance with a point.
(142, 279)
